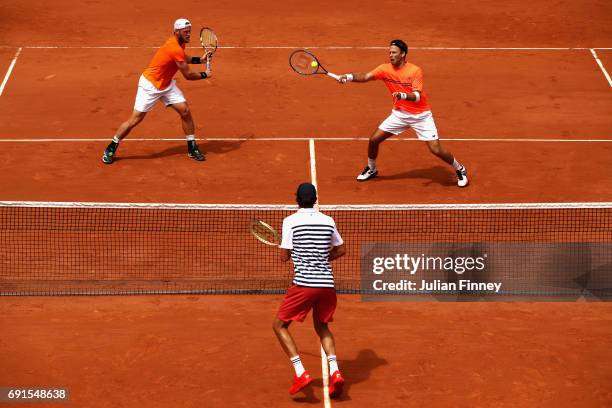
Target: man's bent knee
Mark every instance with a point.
(377, 139)
(380, 136)
(182, 109)
(136, 118)
(186, 114)
(278, 324)
(435, 148)
(319, 325)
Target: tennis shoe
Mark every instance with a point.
(336, 382)
(109, 154)
(300, 382)
(462, 179)
(195, 153)
(367, 174)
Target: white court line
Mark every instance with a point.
(313, 180)
(324, 207)
(298, 139)
(313, 163)
(8, 73)
(316, 47)
(603, 69)
(325, 374)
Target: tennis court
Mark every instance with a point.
(523, 97)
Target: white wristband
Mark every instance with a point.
(417, 96)
(349, 77)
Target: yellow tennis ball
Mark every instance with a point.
(314, 64)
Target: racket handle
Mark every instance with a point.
(336, 77)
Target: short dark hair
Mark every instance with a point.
(306, 195)
(401, 45)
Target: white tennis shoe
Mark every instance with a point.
(462, 179)
(367, 174)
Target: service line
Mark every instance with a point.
(312, 47)
(311, 140)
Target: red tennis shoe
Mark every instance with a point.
(300, 382)
(336, 382)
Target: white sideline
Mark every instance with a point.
(601, 66)
(10, 70)
(324, 367)
(313, 163)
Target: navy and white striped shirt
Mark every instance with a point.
(310, 235)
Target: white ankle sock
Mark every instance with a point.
(116, 139)
(190, 137)
(372, 164)
(333, 364)
(297, 365)
(457, 165)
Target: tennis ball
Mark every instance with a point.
(314, 64)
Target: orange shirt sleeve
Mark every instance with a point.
(417, 81)
(379, 72)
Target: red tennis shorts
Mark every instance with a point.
(299, 300)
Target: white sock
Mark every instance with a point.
(297, 365)
(190, 137)
(457, 165)
(333, 364)
(372, 164)
(116, 139)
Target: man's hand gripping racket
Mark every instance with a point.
(209, 41)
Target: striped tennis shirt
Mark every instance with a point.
(310, 235)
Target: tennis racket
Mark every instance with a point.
(208, 39)
(209, 42)
(305, 63)
(263, 232)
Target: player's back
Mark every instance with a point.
(310, 235)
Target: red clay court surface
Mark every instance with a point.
(543, 122)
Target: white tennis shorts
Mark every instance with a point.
(422, 123)
(148, 94)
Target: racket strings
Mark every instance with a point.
(208, 39)
(264, 232)
(304, 63)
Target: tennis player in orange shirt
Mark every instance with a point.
(156, 83)
(410, 109)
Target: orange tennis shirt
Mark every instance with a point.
(408, 78)
(162, 67)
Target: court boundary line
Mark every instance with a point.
(313, 180)
(325, 379)
(601, 66)
(316, 47)
(301, 139)
(293, 207)
(10, 70)
(313, 163)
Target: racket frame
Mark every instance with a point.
(255, 223)
(206, 48)
(320, 67)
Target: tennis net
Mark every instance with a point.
(111, 248)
